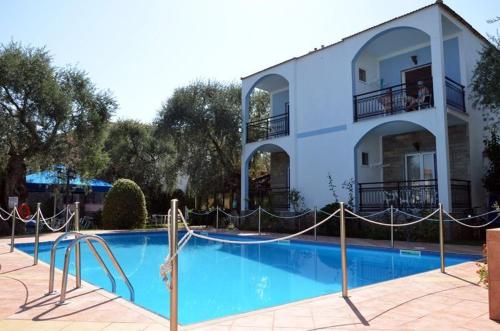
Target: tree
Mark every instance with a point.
(204, 121)
(49, 115)
(485, 83)
(136, 152)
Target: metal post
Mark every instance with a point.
(77, 248)
(37, 234)
(343, 255)
(174, 275)
(13, 228)
(259, 220)
(392, 226)
(217, 218)
(315, 221)
(441, 237)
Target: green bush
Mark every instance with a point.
(124, 206)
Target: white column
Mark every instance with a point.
(244, 183)
(441, 132)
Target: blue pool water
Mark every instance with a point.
(217, 280)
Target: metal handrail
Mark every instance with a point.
(92, 249)
(88, 238)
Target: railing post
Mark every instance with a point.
(355, 115)
(174, 274)
(343, 254)
(37, 234)
(259, 219)
(315, 222)
(13, 228)
(217, 218)
(78, 260)
(441, 237)
(392, 100)
(360, 197)
(392, 226)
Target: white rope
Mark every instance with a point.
(471, 226)
(257, 242)
(393, 225)
(413, 216)
(201, 214)
(287, 217)
(324, 212)
(369, 215)
(166, 267)
(54, 216)
(239, 216)
(18, 217)
(477, 216)
(60, 228)
(9, 215)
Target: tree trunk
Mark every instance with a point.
(15, 178)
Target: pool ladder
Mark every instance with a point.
(75, 243)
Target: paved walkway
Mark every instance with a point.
(427, 301)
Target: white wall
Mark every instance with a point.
(323, 135)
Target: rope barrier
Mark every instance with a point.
(201, 214)
(392, 225)
(369, 215)
(469, 225)
(56, 229)
(9, 215)
(239, 216)
(256, 242)
(287, 217)
(25, 221)
(477, 216)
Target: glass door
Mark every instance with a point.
(421, 175)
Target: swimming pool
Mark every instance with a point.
(217, 280)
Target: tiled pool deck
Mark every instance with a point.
(427, 301)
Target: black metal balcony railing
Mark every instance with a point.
(268, 128)
(455, 95)
(393, 99)
(419, 194)
(404, 98)
(276, 197)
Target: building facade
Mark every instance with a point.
(386, 110)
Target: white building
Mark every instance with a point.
(355, 110)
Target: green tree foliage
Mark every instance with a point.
(204, 121)
(486, 82)
(124, 206)
(136, 152)
(491, 179)
(48, 115)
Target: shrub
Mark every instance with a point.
(124, 206)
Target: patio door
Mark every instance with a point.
(421, 166)
(421, 174)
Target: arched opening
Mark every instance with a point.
(268, 104)
(392, 73)
(269, 178)
(396, 166)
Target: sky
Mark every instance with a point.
(142, 50)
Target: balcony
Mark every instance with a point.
(417, 194)
(405, 98)
(268, 128)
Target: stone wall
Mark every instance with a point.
(395, 147)
(279, 169)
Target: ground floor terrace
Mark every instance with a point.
(430, 300)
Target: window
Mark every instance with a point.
(364, 158)
(362, 75)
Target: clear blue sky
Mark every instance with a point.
(142, 50)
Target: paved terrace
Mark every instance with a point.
(427, 301)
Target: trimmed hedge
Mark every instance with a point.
(124, 206)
